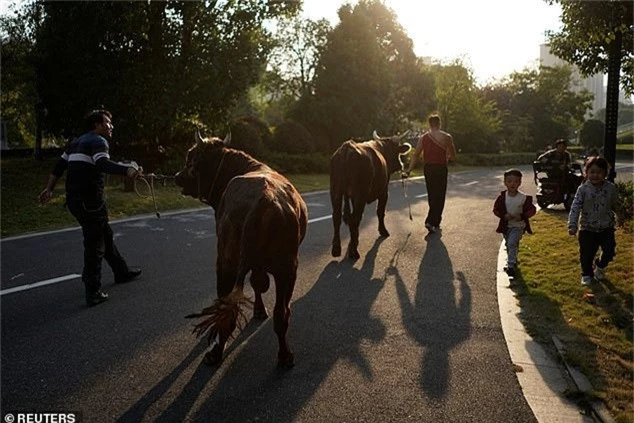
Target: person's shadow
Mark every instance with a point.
(329, 324)
(439, 316)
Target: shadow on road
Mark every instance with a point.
(328, 325)
(439, 316)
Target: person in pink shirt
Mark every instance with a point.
(438, 149)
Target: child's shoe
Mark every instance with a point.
(599, 273)
(586, 280)
(430, 228)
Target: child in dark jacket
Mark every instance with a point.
(514, 208)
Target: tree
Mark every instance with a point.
(592, 133)
(297, 47)
(538, 106)
(154, 64)
(18, 95)
(598, 36)
(365, 78)
(473, 122)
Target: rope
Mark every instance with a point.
(150, 185)
(409, 205)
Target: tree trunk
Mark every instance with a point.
(612, 102)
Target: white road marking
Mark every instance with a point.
(317, 219)
(470, 183)
(73, 276)
(38, 284)
(202, 234)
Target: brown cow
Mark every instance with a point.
(360, 174)
(260, 222)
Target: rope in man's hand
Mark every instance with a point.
(150, 186)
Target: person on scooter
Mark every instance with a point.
(561, 159)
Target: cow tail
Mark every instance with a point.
(221, 318)
(227, 313)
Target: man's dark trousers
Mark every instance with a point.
(436, 181)
(98, 243)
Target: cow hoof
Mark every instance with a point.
(336, 251)
(213, 357)
(286, 362)
(384, 233)
(354, 255)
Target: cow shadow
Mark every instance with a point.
(328, 327)
(438, 317)
(179, 408)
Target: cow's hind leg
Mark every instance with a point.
(284, 286)
(260, 283)
(355, 221)
(335, 199)
(380, 213)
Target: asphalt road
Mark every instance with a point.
(410, 332)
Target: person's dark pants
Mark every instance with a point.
(436, 181)
(98, 243)
(589, 243)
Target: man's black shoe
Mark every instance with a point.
(510, 271)
(95, 298)
(131, 274)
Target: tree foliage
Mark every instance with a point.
(18, 95)
(152, 63)
(298, 43)
(367, 78)
(592, 133)
(588, 29)
(538, 106)
(472, 120)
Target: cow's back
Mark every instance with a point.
(263, 217)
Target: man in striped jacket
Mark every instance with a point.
(86, 161)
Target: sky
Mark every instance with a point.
(492, 37)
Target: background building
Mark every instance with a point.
(594, 84)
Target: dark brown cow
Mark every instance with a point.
(360, 174)
(260, 222)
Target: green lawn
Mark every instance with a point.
(595, 323)
(24, 178)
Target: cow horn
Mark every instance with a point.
(227, 139)
(199, 138)
(404, 135)
(376, 136)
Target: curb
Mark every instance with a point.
(540, 376)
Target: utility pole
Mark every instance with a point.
(612, 101)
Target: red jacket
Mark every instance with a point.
(499, 209)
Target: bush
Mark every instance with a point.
(626, 195)
(292, 137)
(477, 159)
(298, 163)
(245, 137)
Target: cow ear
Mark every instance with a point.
(376, 136)
(199, 138)
(227, 139)
(404, 148)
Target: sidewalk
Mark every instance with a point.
(540, 376)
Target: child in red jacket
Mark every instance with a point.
(514, 208)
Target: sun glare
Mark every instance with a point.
(493, 37)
